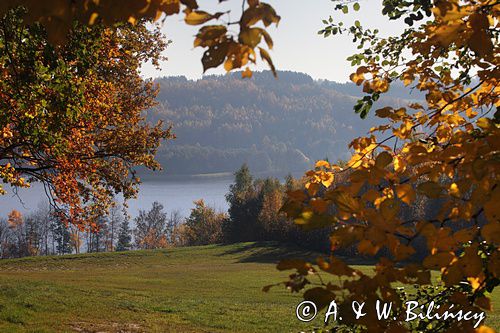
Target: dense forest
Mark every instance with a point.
(274, 125)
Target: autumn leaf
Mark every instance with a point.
(265, 55)
(438, 260)
(251, 36)
(198, 17)
(406, 193)
(247, 73)
(214, 56)
(321, 164)
(210, 35)
(383, 159)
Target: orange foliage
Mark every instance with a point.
(446, 150)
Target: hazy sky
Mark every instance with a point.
(297, 46)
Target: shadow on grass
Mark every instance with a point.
(274, 252)
(269, 252)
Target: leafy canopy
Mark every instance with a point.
(71, 115)
(234, 50)
(445, 150)
(72, 98)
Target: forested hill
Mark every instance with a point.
(275, 125)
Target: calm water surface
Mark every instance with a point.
(172, 194)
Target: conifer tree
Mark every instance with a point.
(124, 237)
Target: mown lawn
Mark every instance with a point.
(196, 289)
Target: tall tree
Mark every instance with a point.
(174, 221)
(41, 218)
(115, 219)
(4, 238)
(124, 242)
(150, 228)
(204, 225)
(61, 237)
(72, 116)
(72, 95)
(243, 209)
(98, 235)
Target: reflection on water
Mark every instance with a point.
(172, 194)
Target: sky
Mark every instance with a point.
(297, 45)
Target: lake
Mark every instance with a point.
(175, 194)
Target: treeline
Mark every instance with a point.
(43, 233)
(254, 214)
(275, 126)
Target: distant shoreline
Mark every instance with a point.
(212, 175)
(215, 175)
(167, 177)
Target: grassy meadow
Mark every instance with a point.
(193, 289)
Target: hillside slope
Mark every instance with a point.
(274, 125)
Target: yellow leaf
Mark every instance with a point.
(247, 73)
(210, 35)
(322, 163)
(399, 164)
(357, 78)
(406, 193)
(355, 161)
(447, 34)
(484, 123)
(327, 179)
(251, 36)
(268, 39)
(475, 282)
(447, 14)
(485, 329)
(454, 190)
(197, 17)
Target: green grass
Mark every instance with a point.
(196, 289)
